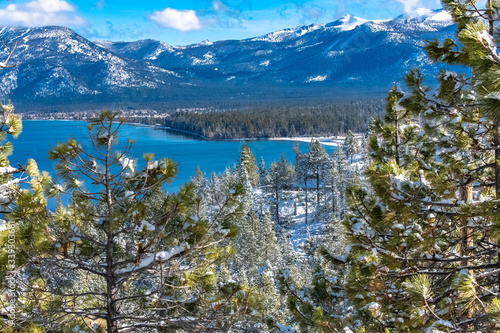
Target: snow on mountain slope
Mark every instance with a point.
(57, 62)
(351, 53)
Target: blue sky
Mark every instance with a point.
(182, 22)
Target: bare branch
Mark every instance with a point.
(10, 49)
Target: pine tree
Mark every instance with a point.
(199, 183)
(280, 177)
(365, 149)
(294, 281)
(350, 146)
(332, 182)
(268, 241)
(302, 175)
(318, 162)
(247, 163)
(20, 194)
(262, 172)
(271, 299)
(123, 254)
(423, 228)
(342, 180)
(399, 131)
(425, 231)
(248, 260)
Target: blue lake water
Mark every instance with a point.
(39, 136)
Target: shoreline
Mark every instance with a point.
(325, 141)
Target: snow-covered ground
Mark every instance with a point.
(336, 141)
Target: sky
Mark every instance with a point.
(183, 22)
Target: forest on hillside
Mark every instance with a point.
(334, 118)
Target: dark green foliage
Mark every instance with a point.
(122, 252)
(328, 119)
(247, 165)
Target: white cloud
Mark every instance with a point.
(50, 6)
(182, 20)
(409, 5)
(417, 7)
(41, 13)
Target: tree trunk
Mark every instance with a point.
(496, 135)
(396, 124)
(496, 142)
(305, 185)
(317, 187)
(466, 242)
(277, 205)
(465, 231)
(491, 20)
(112, 326)
(111, 311)
(333, 200)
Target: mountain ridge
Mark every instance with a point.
(350, 54)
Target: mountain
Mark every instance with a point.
(350, 51)
(349, 55)
(56, 64)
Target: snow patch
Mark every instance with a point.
(317, 78)
(158, 256)
(208, 59)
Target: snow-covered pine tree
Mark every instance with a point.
(10, 177)
(342, 180)
(268, 241)
(123, 255)
(364, 148)
(350, 146)
(199, 182)
(248, 261)
(293, 280)
(426, 232)
(302, 176)
(271, 299)
(280, 177)
(247, 163)
(387, 230)
(17, 198)
(258, 261)
(318, 162)
(332, 180)
(319, 304)
(262, 172)
(398, 130)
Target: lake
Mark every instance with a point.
(39, 136)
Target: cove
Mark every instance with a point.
(39, 136)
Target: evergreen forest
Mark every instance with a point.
(335, 118)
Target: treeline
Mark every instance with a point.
(328, 119)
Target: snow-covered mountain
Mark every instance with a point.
(350, 53)
(55, 64)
